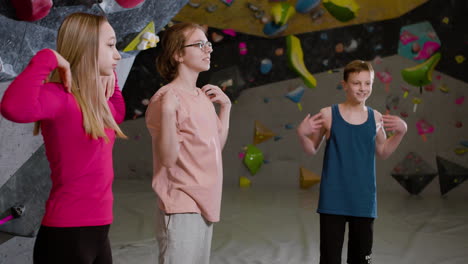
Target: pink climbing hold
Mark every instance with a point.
(242, 48)
(129, 3)
(460, 100)
(229, 32)
(31, 10)
(429, 48)
(407, 37)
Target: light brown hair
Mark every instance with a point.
(172, 43)
(78, 43)
(357, 66)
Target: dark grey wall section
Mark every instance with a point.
(29, 186)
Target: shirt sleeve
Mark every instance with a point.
(26, 99)
(153, 117)
(118, 103)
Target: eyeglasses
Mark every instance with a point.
(202, 45)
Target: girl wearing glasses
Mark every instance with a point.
(78, 110)
(187, 138)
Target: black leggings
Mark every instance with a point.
(332, 230)
(73, 245)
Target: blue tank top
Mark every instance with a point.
(348, 184)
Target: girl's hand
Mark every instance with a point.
(108, 84)
(216, 95)
(63, 68)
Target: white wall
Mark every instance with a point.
(132, 158)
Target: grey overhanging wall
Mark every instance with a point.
(132, 157)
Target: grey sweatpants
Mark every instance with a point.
(183, 238)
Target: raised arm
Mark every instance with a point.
(161, 120)
(216, 95)
(24, 101)
(386, 146)
(115, 97)
(312, 130)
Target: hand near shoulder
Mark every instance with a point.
(310, 125)
(394, 123)
(63, 68)
(216, 95)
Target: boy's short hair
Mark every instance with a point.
(357, 66)
(173, 42)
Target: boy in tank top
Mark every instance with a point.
(355, 134)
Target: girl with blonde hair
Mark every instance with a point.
(77, 109)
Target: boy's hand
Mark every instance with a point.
(63, 67)
(394, 123)
(310, 125)
(216, 95)
(170, 102)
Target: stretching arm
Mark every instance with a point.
(24, 101)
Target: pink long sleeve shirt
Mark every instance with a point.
(81, 167)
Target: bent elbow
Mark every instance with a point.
(168, 154)
(383, 156)
(310, 152)
(13, 113)
(169, 162)
(120, 116)
(120, 119)
(4, 111)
